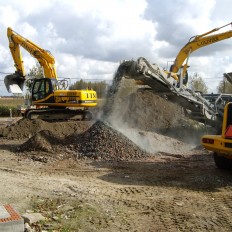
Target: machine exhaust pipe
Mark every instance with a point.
(14, 83)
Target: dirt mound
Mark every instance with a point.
(25, 128)
(100, 141)
(41, 141)
(148, 111)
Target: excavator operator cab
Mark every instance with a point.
(185, 77)
(182, 80)
(42, 88)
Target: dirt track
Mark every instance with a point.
(164, 193)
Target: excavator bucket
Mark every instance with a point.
(14, 83)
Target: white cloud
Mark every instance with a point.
(80, 68)
(8, 15)
(28, 7)
(88, 38)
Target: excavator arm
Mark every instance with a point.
(197, 42)
(206, 109)
(44, 57)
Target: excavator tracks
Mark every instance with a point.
(58, 114)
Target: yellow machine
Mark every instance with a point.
(195, 43)
(221, 144)
(172, 84)
(50, 96)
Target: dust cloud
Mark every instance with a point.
(139, 115)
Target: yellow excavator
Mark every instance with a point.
(172, 84)
(221, 145)
(195, 43)
(50, 96)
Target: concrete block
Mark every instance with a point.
(10, 219)
(33, 217)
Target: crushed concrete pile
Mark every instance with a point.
(130, 106)
(154, 143)
(100, 141)
(158, 112)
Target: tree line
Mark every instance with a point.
(198, 84)
(100, 87)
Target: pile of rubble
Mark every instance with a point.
(100, 141)
(128, 126)
(145, 110)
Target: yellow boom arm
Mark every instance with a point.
(45, 58)
(195, 43)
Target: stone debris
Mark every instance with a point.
(100, 141)
(31, 218)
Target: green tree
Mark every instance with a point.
(35, 72)
(198, 84)
(100, 87)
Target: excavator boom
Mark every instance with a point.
(195, 43)
(207, 108)
(44, 57)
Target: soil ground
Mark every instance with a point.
(184, 192)
(50, 168)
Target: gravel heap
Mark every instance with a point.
(104, 142)
(100, 141)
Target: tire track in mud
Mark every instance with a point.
(221, 209)
(174, 213)
(148, 202)
(160, 208)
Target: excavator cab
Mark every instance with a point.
(182, 80)
(185, 77)
(42, 88)
(14, 83)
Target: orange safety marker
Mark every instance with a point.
(228, 133)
